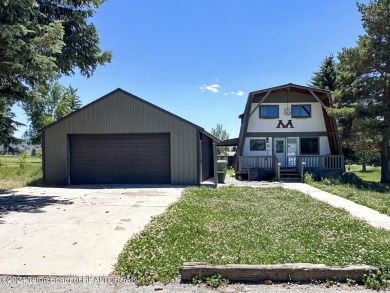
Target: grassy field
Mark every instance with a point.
(373, 174)
(369, 192)
(249, 226)
(18, 172)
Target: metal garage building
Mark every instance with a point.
(122, 139)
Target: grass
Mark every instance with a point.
(373, 174)
(18, 172)
(249, 226)
(230, 172)
(369, 192)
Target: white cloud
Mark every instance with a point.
(239, 93)
(214, 88)
(225, 94)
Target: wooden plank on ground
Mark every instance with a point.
(295, 272)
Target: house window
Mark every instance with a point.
(257, 144)
(310, 146)
(269, 111)
(301, 111)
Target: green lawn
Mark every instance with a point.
(373, 174)
(249, 226)
(14, 172)
(369, 192)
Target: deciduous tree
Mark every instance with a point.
(222, 134)
(54, 102)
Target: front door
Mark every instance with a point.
(280, 151)
(292, 152)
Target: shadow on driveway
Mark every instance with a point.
(27, 203)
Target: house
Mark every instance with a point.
(285, 131)
(15, 149)
(121, 138)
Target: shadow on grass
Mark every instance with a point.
(22, 203)
(369, 185)
(36, 182)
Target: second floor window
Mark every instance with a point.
(269, 111)
(301, 111)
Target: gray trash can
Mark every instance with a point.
(221, 170)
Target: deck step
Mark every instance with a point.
(295, 180)
(290, 175)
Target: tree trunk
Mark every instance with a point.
(385, 147)
(364, 166)
(385, 160)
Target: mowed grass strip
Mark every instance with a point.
(15, 175)
(369, 192)
(249, 226)
(14, 160)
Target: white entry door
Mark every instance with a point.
(280, 151)
(292, 152)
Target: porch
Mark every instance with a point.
(268, 166)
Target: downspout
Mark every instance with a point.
(43, 156)
(199, 154)
(215, 164)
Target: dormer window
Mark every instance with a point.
(301, 111)
(269, 111)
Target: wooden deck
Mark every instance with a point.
(248, 165)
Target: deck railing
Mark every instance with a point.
(276, 165)
(270, 163)
(257, 162)
(329, 162)
(265, 163)
(300, 167)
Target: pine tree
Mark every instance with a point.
(42, 39)
(364, 94)
(8, 126)
(326, 77)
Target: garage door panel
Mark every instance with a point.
(132, 158)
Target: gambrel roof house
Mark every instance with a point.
(285, 131)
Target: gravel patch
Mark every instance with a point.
(231, 180)
(108, 287)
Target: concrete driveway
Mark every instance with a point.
(73, 231)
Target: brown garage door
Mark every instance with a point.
(120, 158)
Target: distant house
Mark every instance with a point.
(16, 149)
(286, 131)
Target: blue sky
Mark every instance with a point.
(199, 58)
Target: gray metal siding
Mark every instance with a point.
(121, 113)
